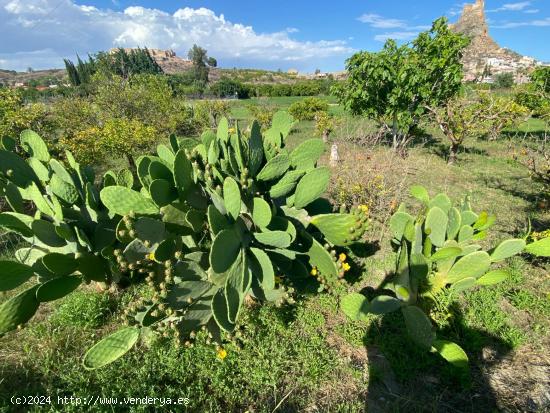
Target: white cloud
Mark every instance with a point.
(40, 33)
(532, 11)
(532, 23)
(406, 31)
(379, 22)
(396, 36)
(519, 6)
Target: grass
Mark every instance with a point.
(309, 357)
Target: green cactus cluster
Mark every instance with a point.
(438, 251)
(205, 224)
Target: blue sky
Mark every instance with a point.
(279, 34)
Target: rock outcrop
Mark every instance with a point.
(484, 58)
(167, 60)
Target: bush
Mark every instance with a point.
(307, 108)
(207, 113)
(263, 114)
(15, 116)
(500, 112)
(115, 138)
(226, 87)
(143, 105)
(504, 81)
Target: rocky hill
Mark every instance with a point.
(484, 58)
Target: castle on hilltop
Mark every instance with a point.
(484, 58)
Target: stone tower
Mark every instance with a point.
(472, 21)
(484, 54)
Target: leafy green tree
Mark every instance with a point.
(541, 79)
(459, 119)
(398, 84)
(119, 62)
(201, 63)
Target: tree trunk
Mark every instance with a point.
(395, 134)
(325, 136)
(453, 153)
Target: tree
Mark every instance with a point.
(500, 112)
(504, 80)
(201, 63)
(536, 94)
(458, 120)
(541, 79)
(398, 84)
(119, 62)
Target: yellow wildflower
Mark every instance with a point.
(342, 257)
(364, 208)
(314, 271)
(222, 353)
(151, 256)
(346, 267)
(231, 130)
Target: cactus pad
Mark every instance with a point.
(34, 145)
(277, 239)
(120, 200)
(275, 167)
(111, 348)
(232, 197)
(355, 306)
(18, 310)
(224, 251)
(507, 249)
(419, 326)
(311, 186)
(540, 248)
(261, 212)
(340, 229)
(13, 274)
(472, 265)
(451, 352)
(492, 277)
(436, 226)
(384, 304)
(57, 288)
(306, 155)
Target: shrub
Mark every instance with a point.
(226, 87)
(307, 108)
(143, 105)
(115, 138)
(207, 113)
(15, 116)
(504, 81)
(324, 125)
(263, 114)
(500, 112)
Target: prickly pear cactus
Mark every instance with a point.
(438, 253)
(206, 225)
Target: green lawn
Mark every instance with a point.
(309, 357)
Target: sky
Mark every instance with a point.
(282, 34)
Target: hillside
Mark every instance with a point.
(484, 58)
